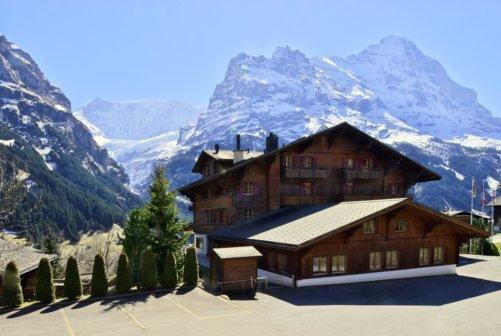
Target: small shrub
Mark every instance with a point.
(169, 276)
(124, 277)
(149, 276)
(45, 283)
(99, 282)
(12, 291)
(72, 282)
(191, 267)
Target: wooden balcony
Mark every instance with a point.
(314, 173)
(361, 174)
(214, 203)
(303, 199)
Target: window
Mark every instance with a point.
(391, 259)
(248, 214)
(248, 188)
(339, 263)
(348, 188)
(438, 255)
(307, 188)
(307, 162)
(199, 242)
(349, 163)
(401, 225)
(271, 261)
(366, 164)
(319, 265)
(374, 261)
(289, 161)
(393, 188)
(281, 262)
(424, 256)
(369, 227)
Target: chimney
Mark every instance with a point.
(238, 154)
(271, 142)
(216, 148)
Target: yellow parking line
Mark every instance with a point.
(67, 322)
(183, 308)
(133, 318)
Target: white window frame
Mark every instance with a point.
(424, 256)
(338, 263)
(372, 257)
(389, 255)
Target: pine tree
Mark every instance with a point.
(45, 284)
(124, 278)
(191, 267)
(149, 275)
(99, 282)
(12, 291)
(136, 239)
(163, 220)
(72, 283)
(169, 275)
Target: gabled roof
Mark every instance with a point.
(237, 252)
(222, 155)
(343, 128)
(25, 257)
(301, 226)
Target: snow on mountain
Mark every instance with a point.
(70, 173)
(137, 119)
(390, 90)
(139, 133)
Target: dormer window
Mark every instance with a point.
(248, 188)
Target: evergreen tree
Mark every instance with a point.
(163, 220)
(12, 292)
(124, 278)
(149, 275)
(191, 267)
(99, 282)
(136, 239)
(169, 275)
(72, 283)
(45, 284)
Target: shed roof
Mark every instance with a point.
(237, 252)
(25, 257)
(296, 227)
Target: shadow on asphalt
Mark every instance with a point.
(463, 261)
(429, 291)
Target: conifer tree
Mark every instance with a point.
(72, 282)
(149, 275)
(12, 292)
(163, 219)
(99, 282)
(124, 278)
(191, 267)
(45, 283)
(169, 275)
(136, 239)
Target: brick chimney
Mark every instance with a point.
(238, 153)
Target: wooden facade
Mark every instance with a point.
(340, 164)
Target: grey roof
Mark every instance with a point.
(226, 154)
(25, 257)
(296, 226)
(476, 213)
(237, 252)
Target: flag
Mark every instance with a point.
(473, 188)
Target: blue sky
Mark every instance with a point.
(180, 49)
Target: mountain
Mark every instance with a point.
(138, 133)
(390, 90)
(73, 184)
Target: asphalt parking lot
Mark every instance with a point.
(464, 304)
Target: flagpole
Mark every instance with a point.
(471, 205)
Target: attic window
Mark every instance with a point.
(401, 225)
(369, 227)
(248, 188)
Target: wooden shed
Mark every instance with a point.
(234, 269)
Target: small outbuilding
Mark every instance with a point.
(234, 269)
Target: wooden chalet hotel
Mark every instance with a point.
(327, 208)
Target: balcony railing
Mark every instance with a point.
(214, 203)
(303, 199)
(362, 174)
(305, 173)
